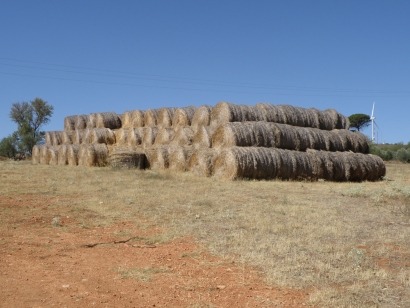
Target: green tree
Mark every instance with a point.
(9, 147)
(359, 121)
(30, 117)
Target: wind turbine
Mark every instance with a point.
(372, 119)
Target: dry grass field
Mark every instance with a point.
(72, 236)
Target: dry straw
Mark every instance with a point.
(102, 135)
(148, 139)
(179, 158)
(164, 136)
(107, 120)
(93, 155)
(69, 123)
(271, 163)
(62, 158)
(54, 138)
(81, 122)
(72, 154)
(203, 137)
(158, 157)
(44, 155)
(183, 116)
(78, 136)
(225, 112)
(35, 154)
(328, 119)
(183, 136)
(202, 160)
(165, 116)
(201, 117)
(127, 158)
(267, 134)
(53, 155)
(133, 119)
(151, 117)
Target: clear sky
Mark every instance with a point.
(100, 55)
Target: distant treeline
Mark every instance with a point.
(396, 151)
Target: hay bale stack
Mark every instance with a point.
(69, 123)
(183, 136)
(35, 154)
(62, 158)
(72, 154)
(201, 117)
(201, 161)
(102, 135)
(225, 112)
(183, 116)
(90, 155)
(151, 117)
(164, 136)
(127, 158)
(179, 157)
(148, 139)
(158, 157)
(271, 163)
(67, 137)
(165, 115)
(133, 119)
(203, 137)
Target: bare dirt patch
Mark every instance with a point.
(50, 260)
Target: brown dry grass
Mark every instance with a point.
(348, 243)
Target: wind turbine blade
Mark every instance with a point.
(372, 111)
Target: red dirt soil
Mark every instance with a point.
(46, 263)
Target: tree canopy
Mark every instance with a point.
(359, 121)
(30, 117)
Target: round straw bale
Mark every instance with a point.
(244, 134)
(35, 153)
(203, 137)
(44, 155)
(67, 137)
(359, 142)
(72, 154)
(93, 155)
(148, 139)
(225, 112)
(151, 117)
(201, 117)
(271, 113)
(102, 135)
(158, 157)
(319, 139)
(202, 160)
(91, 121)
(53, 155)
(53, 138)
(164, 136)
(165, 116)
(81, 121)
(87, 136)
(179, 158)
(107, 120)
(129, 158)
(62, 158)
(183, 136)
(183, 116)
(122, 136)
(133, 119)
(78, 136)
(69, 123)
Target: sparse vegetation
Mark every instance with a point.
(397, 151)
(346, 244)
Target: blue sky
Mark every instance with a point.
(95, 56)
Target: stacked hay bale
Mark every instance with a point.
(228, 141)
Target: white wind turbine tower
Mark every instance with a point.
(372, 119)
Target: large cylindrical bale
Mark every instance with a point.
(133, 119)
(164, 136)
(179, 158)
(102, 135)
(72, 154)
(183, 136)
(151, 117)
(69, 123)
(201, 161)
(203, 137)
(35, 154)
(150, 133)
(158, 157)
(90, 155)
(183, 116)
(225, 112)
(127, 158)
(165, 116)
(201, 117)
(62, 158)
